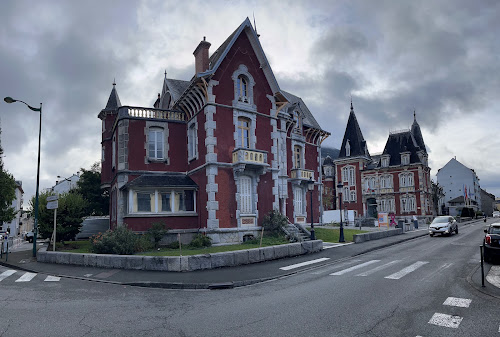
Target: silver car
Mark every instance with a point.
(444, 225)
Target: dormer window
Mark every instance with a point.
(242, 89)
(405, 159)
(385, 161)
(297, 122)
(347, 149)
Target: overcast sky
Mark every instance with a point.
(440, 58)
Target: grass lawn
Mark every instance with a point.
(332, 234)
(84, 247)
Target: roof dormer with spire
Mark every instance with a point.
(353, 144)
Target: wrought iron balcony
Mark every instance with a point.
(302, 174)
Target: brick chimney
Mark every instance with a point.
(201, 56)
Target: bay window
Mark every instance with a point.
(161, 201)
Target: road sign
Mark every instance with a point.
(52, 197)
(52, 204)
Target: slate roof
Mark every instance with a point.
(355, 137)
(175, 87)
(308, 118)
(401, 142)
(328, 161)
(113, 100)
(457, 200)
(162, 180)
(415, 130)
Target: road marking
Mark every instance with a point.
(26, 277)
(437, 272)
(405, 271)
(52, 278)
(335, 245)
(88, 275)
(107, 274)
(493, 276)
(6, 274)
(334, 267)
(369, 272)
(447, 321)
(342, 272)
(298, 265)
(457, 302)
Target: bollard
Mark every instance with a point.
(482, 267)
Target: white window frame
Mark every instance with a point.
(242, 100)
(352, 196)
(346, 194)
(352, 176)
(175, 202)
(299, 201)
(246, 195)
(405, 159)
(193, 140)
(298, 162)
(159, 138)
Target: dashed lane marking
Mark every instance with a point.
(302, 264)
(335, 245)
(26, 277)
(457, 302)
(336, 266)
(345, 271)
(447, 321)
(405, 271)
(88, 275)
(6, 274)
(374, 270)
(52, 278)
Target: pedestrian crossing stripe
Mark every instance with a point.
(457, 302)
(447, 321)
(52, 278)
(407, 270)
(376, 269)
(345, 271)
(6, 274)
(302, 264)
(26, 277)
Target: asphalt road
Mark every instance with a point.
(415, 288)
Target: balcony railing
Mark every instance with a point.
(248, 156)
(298, 173)
(407, 189)
(386, 190)
(152, 113)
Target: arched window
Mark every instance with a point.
(242, 89)
(243, 132)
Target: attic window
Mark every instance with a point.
(347, 149)
(242, 89)
(405, 159)
(297, 123)
(385, 162)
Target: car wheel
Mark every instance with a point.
(431, 234)
(30, 240)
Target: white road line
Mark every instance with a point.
(298, 265)
(369, 272)
(457, 302)
(337, 266)
(406, 271)
(26, 277)
(88, 275)
(52, 278)
(335, 245)
(447, 321)
(437, 272)
(6, 274)
(345, 271)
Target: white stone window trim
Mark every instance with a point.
(157, 201)
(405, 159)
(243, 71)
(157, 125)
(237, 114)
(192, 130)
(352, 196)
(385, 161)
(302, 147)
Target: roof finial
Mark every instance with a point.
(165, 73)
(414, 116)
(255, 25)
(114, 82)
(352, 109)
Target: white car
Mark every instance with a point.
(496, 214)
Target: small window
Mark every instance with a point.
(347, 149)
(353, 196)
(243, 132)
(297, 156)
(192, 148)
(385, 162)
(144, 201)
(156, 143)
(242, 89)
(352, 176)
(297, 128)
(113, 153)
(405, 159)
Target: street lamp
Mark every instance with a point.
(341, 236)
(35, 227)
(310, 187)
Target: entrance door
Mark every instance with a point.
(372, 207)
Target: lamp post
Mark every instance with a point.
(341, 236)
(35, 227)
(310, 186)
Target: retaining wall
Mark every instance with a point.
(181, 263)
(358, 238)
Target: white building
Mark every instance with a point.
(458, 181)
(13, 226)
(66, 184)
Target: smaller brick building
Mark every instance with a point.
(397, 181)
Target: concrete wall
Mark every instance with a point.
(181, 263)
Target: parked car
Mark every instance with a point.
(496, 214)
(29, 236)
(491, 241)
(444, 225)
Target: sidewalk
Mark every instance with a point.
(229, 277)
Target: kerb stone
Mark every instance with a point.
(77, 259)
(241, 257)
(295, 249)
(198, 262)
(267, 253)
(134, 262)
(280, 251)
(254, 255)
(225, 259)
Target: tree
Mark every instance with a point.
(437, 195)
(89, 186)
(70, 214)
(7, 192)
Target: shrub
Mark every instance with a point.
(121, 241)
(200, 241)
(157, 232)
(274, 221)
(173, 245)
